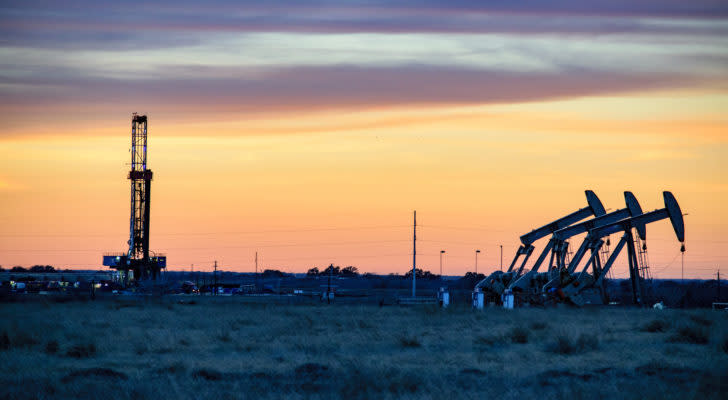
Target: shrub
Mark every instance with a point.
(539, 325)
(52, 347)
(487, 340)
(4, 341)
(657, 325)
(20, 339)
(724, 345)
(207, 374)
(519, 334)
(565, 344)
(587, 342)
(409, 342)
(82, 351)
(562, 345)
(699, 319)
(690, 334)
(94, 373)
(225, 337)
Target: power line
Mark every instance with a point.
(322, 244)
(217, 233)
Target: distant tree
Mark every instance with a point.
(471, 279)
(18, 268)
(273, 273)
(1, 268)
(42, 268)
(420, 274)
(350, 271)
(331, 270)
(312, 272)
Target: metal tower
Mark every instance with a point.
(137, 260)
(141, 185)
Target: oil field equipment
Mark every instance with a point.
(529, 285)
(498, 281)
(571, 287)
(137, 263)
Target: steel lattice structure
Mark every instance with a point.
(138, 260)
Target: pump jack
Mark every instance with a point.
(531, 283)
(496, 282)
(569, 287)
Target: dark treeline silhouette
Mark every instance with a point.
(34, 268)
(331, 270)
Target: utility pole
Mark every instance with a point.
(501, 247)
(414, 254)
(476, 261)
(718, 277)
(682, 267)
(328, 289)
(441, 253)
(214, 278)
(256, 271)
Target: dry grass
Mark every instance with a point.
(221, 348)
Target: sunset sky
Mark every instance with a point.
(310, 131)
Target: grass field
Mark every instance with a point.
(220, 348)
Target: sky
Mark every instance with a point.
(310, 131)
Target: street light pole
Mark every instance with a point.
(476, 261)
(441, 253)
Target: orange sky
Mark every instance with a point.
(310, 132)
(340, 187)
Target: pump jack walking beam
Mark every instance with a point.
(671, 211)
(594, 208)
(558, 242)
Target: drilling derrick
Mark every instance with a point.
(137, 262)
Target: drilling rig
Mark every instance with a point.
(137, 263)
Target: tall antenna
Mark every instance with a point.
(414, 255)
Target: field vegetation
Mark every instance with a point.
(222, 348)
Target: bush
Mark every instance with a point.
(539, 325)
(94, 373)
(699, 319)
(565, 344)
(4, 341)
(82, 351)
(207, 374)
(519, 334)
(487, 340)
(562, 345)
(587, 342)
(690, 334)
(724, 345)
(409, 342)
(657, 325)
(52, 347)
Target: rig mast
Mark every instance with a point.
(137, 262)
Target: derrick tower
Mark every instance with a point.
(141, 185)
(137, 262)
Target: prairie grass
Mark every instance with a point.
(656, 325)
(223, 348)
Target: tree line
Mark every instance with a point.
(34, 268)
